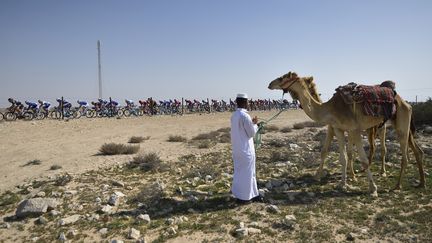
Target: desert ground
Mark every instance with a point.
(181, 192)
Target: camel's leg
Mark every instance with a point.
(324, 151)
(350, 152)
(402, 126)
(371, 138)
(356, 136)
(342, 154)
(418, 153)
(382, 135)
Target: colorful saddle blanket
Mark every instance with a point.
(377, 100)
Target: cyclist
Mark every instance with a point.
(43, 105)
(129, 104)
(31, 105)
(82, 103)
(15, 105)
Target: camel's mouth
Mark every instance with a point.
(284, 82)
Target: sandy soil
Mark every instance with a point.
(74, 144)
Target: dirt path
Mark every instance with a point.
(74, 144)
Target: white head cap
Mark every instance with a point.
(242, 95)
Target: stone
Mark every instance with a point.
(273, 209)
(114, 200)
(117, 241)
(117, 183)
(54, 213)
(105, 187)
(269, 185)
(42, 220)
(119, 194)
(254, 224)
(241, 225)
(428, 130)
(71, 233)
(103, 231)
(241, 232)
(62, 237)
(351, 236)
(69, 220)
(293, 146)
(71, 192)
(171, 231)
(98, 200)
(106, 209)
(145, 218)
(35, 239)
(276, 183)
(40, 194)
(133, 234)
(253, 231)
(289, 221)
(35, 206)
(129, 188)
(208, 178)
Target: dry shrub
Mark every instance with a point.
(177, 138)
(55, 167)
(203, 144)
(271, 128)
(33, 162)
(298, 126)
(224, 130)
(149, 162)
(117, 148)
(138, 139)
(225, 138)
(277, 143)
(203, 136)
(286, 129)
(150, 194)
(279, 156)
(63, 180)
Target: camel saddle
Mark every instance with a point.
(377, 100)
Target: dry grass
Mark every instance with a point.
(204, 144)
(177, 138)
(225, 138)
(271, 128)
(33, 162)
(55, 167)
(203, 136)
(138, 139)
(286, 129)
(117, 148)
(63, 180)
(302, 125)
(149, 162)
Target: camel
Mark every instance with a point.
(371, 132)
(345, 117)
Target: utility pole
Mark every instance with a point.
(99, 69)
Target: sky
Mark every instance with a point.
(210, 49)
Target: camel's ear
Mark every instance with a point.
(309, 80)
(294, 75)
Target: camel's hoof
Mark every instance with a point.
(383, 174)
(374, 194)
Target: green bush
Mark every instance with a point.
(422, 113)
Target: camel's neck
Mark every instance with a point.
(311, 106)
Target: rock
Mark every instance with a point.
(254, 224)
(253, 231)
(69, 220)
(208, 178)
(170, 221)
(105, 187)
(62, 237)
(241, 225)
(35, 206)
(311, 194)
(276, 183)
(269, 185)
(71, 192)
(117, 241)
(428, 130)
(129, 188)
(117, 183)
(72, 233)
(133, 234)
(289, 221)
(93, 217)
(114, 200)
(35, 239)
(171, 231)
(103, 231)
(5, 226)
(106, 209)
(273, 209)
(98, 200)
(42, 220)
(241, 232)
(144, 217)
(119, 194)
(54, 213)
(351, 236)
(40, 194)
(293, 146)
(285, 187)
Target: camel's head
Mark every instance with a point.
(284, 82)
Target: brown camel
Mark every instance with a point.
(345, 117)
(371, 132)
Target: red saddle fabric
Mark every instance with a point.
(375, 100)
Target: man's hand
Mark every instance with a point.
(255, 120)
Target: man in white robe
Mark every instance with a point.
(243, 128)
